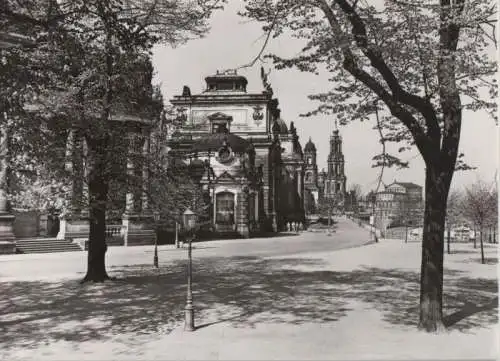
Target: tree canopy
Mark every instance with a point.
(386, 55)
(420, 64)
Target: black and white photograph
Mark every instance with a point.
(249, 180)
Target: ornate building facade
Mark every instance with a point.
(335, 182)
(329, 184)
(255, 180)
(399, 204)
(312, 189)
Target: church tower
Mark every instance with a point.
(311, 168)
(310, 178)
(335, 184)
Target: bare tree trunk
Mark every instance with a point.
(448, 240)
(98, 142)
(431, 281)
(406, 231)
(475, 237)
(481, 243)
(98, 193)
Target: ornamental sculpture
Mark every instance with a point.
(181, 115)
(258, 115)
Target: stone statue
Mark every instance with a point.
(186, 92)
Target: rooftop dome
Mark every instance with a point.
(310, 147)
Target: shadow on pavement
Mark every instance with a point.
(242, 291)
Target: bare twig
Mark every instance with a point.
(264, 46)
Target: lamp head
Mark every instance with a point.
(189, 219)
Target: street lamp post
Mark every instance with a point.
(176, 234)
(155, 258)
(189, 220)
(156, 217)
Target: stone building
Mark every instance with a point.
(7, 237)
(254, 177)
(129, 221)
(330, 183)
(311, 185)
(335, 181)
(399, 204)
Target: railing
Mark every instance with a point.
(115, 230)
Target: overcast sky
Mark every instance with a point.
(234, 41)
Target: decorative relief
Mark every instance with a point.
(258, 115)
(225, 154)
(182, 115)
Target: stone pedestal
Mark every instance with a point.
(72, 227)
(139, 229)
(274, 222)
(7, 238)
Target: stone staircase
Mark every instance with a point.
(45, 245)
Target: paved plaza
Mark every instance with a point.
(307, 296)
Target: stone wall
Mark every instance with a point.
(27, 224)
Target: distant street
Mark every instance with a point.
(73, 264)
(345, 234)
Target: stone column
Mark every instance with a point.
(145, 173)
(138, 226)
(300, 191)
(129, 197)
(274, 200)
(256, 200)
(7, 238)
(243, 213)
(73, 224)
(77, 173)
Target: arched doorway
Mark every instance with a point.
(224, 211)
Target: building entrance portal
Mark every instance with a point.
(224, 210)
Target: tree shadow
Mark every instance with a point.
(462, 251)
(242, 291)
(468, 309)
(487, 260)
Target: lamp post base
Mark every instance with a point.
(155, 260)
(189, 318)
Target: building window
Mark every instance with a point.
(224, 208)
(308, 177)
(309, 160)
(220, 128)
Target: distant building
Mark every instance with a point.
(311, 185)
(399, 204)
(335, 181)
(325, 184)
(255, 183)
